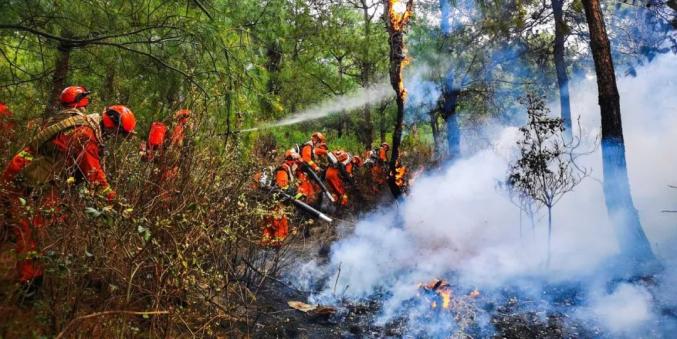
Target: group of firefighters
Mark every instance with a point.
(304, 171)
(68, 147)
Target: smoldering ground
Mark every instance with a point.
(455, 224)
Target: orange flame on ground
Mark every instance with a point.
(443, 293)
(446, 298)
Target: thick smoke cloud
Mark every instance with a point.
(457, 224)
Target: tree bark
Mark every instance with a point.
(273, 66)
(396, 59)
(61, 68)
(547, 262)
(108, 92)
(450, 116)
(396, 27)
(450, 94)
(436, 132)
(561, 67)
(634, 245)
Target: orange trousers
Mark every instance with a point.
(335, 181)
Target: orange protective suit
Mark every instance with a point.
(338, 173)
(165, 151)
(277, 224)
(77, 154)
(379, 161)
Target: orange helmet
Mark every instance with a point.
(75, 97)
(291, 155)
(319, 136)
(120, 118)
(357, 161)
(182, 113)
(4, 110)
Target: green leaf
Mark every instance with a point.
(93, 212)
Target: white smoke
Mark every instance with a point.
(371, 95)
(343, 103)
(457, 223)
(624, 312)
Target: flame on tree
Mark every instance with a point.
(398, 13)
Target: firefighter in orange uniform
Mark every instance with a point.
(312, 153)
(340, 171)
(312, 150)
(277, 228)
(68, 146)
(378, 162)
(165, 150)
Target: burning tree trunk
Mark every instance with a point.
(59, 79)
(398, 14)
(633, 243)
(561, 68)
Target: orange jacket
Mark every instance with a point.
(310, 153)
(382, 154)
(80, 149)
(284, 175)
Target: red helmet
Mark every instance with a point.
(357, 161)
(4, 110)
(182, 113)
(119, 117)
(74, 97)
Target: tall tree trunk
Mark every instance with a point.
(61, 67)
(547, 262)
(633, 243)
(382, 123)
(450, 116)
(367, 133)
(273, 66)
(436, 132)
(561, 67)
(450, 94)
(108, 90)
(397, 21)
